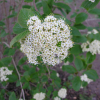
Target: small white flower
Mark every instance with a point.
(85, 78)
(62, 93)
(57, 98)
(4, 71)
(39, 96)
(57, 74)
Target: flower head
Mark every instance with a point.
(39, 96)
(62, 93)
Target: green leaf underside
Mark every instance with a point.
(18, 37)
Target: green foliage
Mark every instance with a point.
(92, 74)
(23, 16)
(12, 96)
(95, 11)
(18, 37)
(75, 32)
(18, 29)
(6, 61)
(80, 18)
(76, 49)
(89, 5)
(28, 1)
(90, 58)
(78, 64)
(2, 23)
(46, 8)
(76, 83)
(68, 68)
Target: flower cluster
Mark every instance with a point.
(93, 47)
(85, 78)
(39, 96)
(92, 0)
(62, 93)
(49, 39)
(57, 98)
(4, 71)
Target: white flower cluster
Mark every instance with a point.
(85, 78)
(93, 47)
(92, 0)
(39, 96)
(57, 98)
(62, 93)
(20, 99)
(49, 39)
(4, 71)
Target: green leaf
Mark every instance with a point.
(22, 60)
(18, 29)
(26, 85)
(26, 67)
(76, 83)
(12, 96)
(70, 58)
(12, 78)
(68, 1)
(79, 39)
(23, 16)
(90, 58)
(17, 83)
(12, 15)
(80, 26)
(50, 3)
(92, 74)
(75, 32)
(63, 12)
(79, 64)
(76, 49)
(89, 5)
(97, 36)
(26, 6)
(39, 5)
(18, 37)
(68, 68)
(63, 5)
(28, 1)
(3, 33)
(2, 23)
(80, 18)
(44, 79)
(46, 8)
(6, 61)
(94, 11)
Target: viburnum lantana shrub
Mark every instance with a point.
(47, 40)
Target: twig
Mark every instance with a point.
(35, 5)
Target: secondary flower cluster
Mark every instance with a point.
(4, 71)
(93, 47)
(86, 79)
(92, 0)
(39, 96)
(50, 39)
(61, 93)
